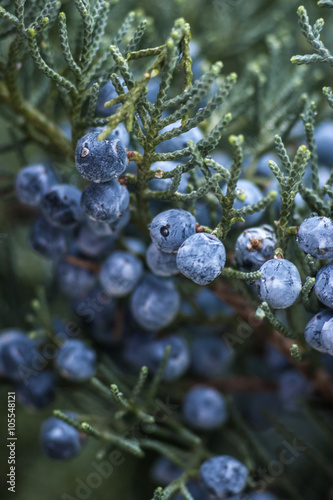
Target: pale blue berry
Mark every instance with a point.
(169, 229)
(100, 161)
(211, 356)
(161, 263)
(204, 408)
(201, 258)
(119, 132)
(59, 439)
(61, 206)
(37, 391)
(223, 476)
(155, 303)
(74, 280)
(315, 237)
(323, 287)
(49, 241)
(178, 361)
(280, 283)
(120, 273)
(254, 247)
(313, 330)
(105, 202)
(17, 352)
(327, 336)
(75, 361)
(32, 183)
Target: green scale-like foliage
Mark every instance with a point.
(62, 53)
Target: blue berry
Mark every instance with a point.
(119, 132)
(223, 475)
(161, 263)
(280, 283)
(323, 287)
(313, 330)
(164, 471)
(38, 391)
(179, 359)
(315, 236)
(74, 280)
(204, 408)
(120, 273)
(324, 138)
(75, 361)
(105, 202)
(251, 195)
(211, 357)
(60, 440)
(61, 205)
(327, 336)
(169, 229)
(49, 241)
(16, 354)
(92, 245)
(201, 258)
(164, 184)
(100, 161)
(180, 141)
(32, 183)
(155, 303)
(254, 247)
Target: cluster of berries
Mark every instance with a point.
(79, 231)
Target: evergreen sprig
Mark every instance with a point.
(312, 34)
